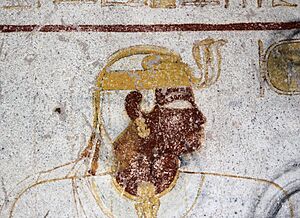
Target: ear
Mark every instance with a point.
(132, 104)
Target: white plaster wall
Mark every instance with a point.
(246, 134)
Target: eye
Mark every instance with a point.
(178, 104)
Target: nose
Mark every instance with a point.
(199, 118)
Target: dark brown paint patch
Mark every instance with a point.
(256, 26)
(173, 131)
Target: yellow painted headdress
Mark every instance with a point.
(161, 68)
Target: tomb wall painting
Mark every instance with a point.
(209, 173)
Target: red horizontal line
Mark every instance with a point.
(257, 26)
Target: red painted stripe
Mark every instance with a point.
(258, 26)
